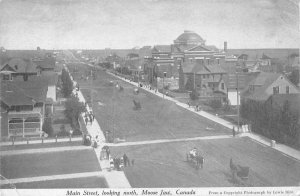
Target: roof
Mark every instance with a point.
(195, 67)
(188, 37)
(11, 95)
(272, 53)
(261, 83)
(232, 80)
(265, 57)
(35, 87)
(264, 78)
(46, 63)
(215, 69)
(20, 65)
(162, 48)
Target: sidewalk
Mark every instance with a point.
(114, 179)
(279, 147)
(170, 140)
(52, 140)
(43, 150)
(52, 177)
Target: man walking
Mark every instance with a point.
(233, 132)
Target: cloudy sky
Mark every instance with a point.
(97, 24)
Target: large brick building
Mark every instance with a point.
(185, 57)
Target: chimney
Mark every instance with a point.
(225, 46)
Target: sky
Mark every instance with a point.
(98, 24)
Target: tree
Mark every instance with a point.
(294, 77)
(73, 109)
(194, 95)
(67, 83)
(47, 126)
(215, 103)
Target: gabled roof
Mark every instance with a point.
(264, 79)
(20, 65)
(199, 48)
(215, 69)
(265, 57)
(197, 68)
(162, 48)
(261, 83)
(194, 67)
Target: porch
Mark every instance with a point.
(25, 123)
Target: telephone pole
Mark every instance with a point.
(238, 100)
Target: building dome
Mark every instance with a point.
(188, 38)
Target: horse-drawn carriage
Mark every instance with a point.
(195, 158)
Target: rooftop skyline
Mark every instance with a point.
(94, 24)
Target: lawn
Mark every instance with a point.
(52, 163)
(164, 165)
(158, 118)
(88, 182)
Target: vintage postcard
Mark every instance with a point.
(149, 97)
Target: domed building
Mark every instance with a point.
(189, 38)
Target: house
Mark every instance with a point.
(45, 65)
(17, 67)
(22, 108)
(237, 82)
(203, 77)
(265, 85)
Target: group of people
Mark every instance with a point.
(89, 117)
(122, 161)
(197, 107)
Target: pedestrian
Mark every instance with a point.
(125, 159)
(91, 119)
(132, 162)
(86, 120)
(189, 104)
(233, 132)
(107, 153)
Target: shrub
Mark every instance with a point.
(194, 95)
(47, 126)
(215, 104)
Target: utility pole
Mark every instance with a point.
(238, 100)
(194, 80)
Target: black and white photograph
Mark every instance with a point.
(149, 97)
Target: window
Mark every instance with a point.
(5, 77)
(276, 90)
(222, 86)
(287, 90)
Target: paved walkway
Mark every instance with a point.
(169, 140)
(46, 141)
(280, 147)
(52, 177)
(43, 150)
(114, 179)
